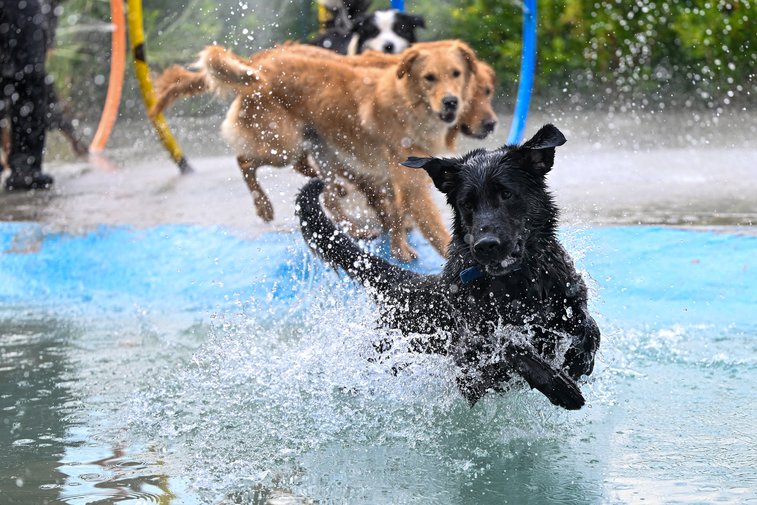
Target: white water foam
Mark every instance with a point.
(265, 400)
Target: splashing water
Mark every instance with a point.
(278, 396)
(274, 399)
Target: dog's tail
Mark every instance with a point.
(175, 83)
(217, 69)
(226, 72)
(339, 250)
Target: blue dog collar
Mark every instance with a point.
(470, 274)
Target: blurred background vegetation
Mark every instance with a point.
(606, 54)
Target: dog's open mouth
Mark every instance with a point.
(466, 129)
(448, 116)
(505, 266)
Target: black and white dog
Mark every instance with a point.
(506, 269)
(352, 30)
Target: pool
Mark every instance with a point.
(186, 364)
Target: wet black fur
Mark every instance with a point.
(526, 279)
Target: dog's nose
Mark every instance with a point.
(450, 103)
(389, 47)
(486, 247)
(489, 125)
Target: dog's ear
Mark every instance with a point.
(469, 57)
(490, 72)
(410, 56)
(443, 171)
(541, 148)
(413, 20)
(358, 22)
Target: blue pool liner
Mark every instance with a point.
(643, 275)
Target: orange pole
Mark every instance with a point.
(116, 80)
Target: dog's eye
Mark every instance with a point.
(467, 205)
(430, 77)
(505, 195)
(456, 73)
(488, 91)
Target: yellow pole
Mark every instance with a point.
(137, 39)
(323, 15)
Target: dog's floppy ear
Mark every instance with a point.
(541, 148)
(358, 22)
(469, 56)
(443, 171)
(407, 62)
(413, 20)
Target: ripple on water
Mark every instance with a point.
(280, 404)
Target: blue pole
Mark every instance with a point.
(527, 70)
(399, 5)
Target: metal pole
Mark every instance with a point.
(115, 79)
(137, 39)
(527, 71)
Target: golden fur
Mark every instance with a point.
(357, 115)
(477, 104)
(5, 148)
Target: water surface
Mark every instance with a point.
(191, 364)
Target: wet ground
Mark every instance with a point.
(158, 345)
(695, 168)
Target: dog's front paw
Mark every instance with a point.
(475, 383)
(364, 232)
(339, 189)
(579, 359)
(578, 362)
(552, 382)
(404, 252)
(263, 207)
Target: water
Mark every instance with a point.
(160, 344)
(194, 364)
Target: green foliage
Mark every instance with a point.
(607, 51)
(657, 48)
(175, 31)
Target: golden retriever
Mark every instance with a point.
(358, 117)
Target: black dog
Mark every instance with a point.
(505, 268)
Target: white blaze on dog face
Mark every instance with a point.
(387, 40)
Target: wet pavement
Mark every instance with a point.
(686, 168)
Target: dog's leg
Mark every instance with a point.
(263, 205)
(392, 211)
(476, 379)
(416, 202)
(553, 383)
(329, 167)
(304, 167)
(5, 138)
(474, 383)
(58, 118)
(579, 359)
(334, 189)
(388, 205)
(354, 228)
(79, 147)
